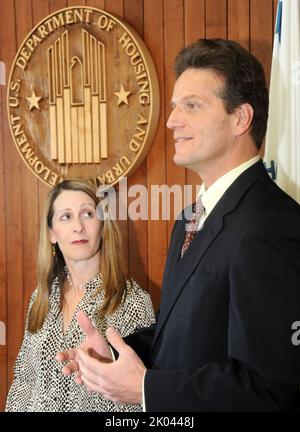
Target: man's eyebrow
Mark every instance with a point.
(191, 96)
(187, 97)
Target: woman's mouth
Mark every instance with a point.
(79, 242)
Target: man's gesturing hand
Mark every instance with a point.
(94, 344)
(119, 381)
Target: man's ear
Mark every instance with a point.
(243, 118)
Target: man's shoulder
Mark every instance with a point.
(272, 197)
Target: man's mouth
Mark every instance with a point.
(181, 139)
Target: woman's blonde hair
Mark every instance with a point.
(52, 265)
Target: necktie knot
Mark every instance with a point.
(192, 226)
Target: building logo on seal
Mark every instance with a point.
(83, 98)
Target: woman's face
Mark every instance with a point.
(75, 226)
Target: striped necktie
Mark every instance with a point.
(192, 226)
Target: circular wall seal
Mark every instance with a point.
(83, 97)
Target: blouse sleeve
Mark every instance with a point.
(24, 372)
(135, 312)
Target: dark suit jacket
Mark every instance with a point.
(223, 336)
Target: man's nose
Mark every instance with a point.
(175, 119)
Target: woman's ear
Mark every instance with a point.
(52, 236)
(243, 118)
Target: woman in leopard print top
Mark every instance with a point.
(83, 271)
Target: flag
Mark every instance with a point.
(2, 73)
(282, 152)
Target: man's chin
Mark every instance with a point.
(183, 163)
(179, 161)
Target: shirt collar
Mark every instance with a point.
(212, 195)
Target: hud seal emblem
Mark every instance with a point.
(83, 98)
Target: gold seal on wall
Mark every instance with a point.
(83, 97)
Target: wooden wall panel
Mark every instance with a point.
(117, 7)
(3, 292)
(216, 19)
(165, 26)
(133, 15)
(96, 3)
(173, 42)
(40, 9)
(29, 185)
(55, 5)
(275, 4)
(137, 230)
(156, 160)
(76, 3)
(261, 32)
(238, 21)
(13, 209)
(194, 28)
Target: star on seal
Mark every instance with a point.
(34, 101)
(122, 95)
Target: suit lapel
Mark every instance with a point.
(174, 252)
(178, 271)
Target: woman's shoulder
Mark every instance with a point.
(135, 291)
(136, 298)
(54, 292)
(136, 310)
(33, 297)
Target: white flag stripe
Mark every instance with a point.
(2, 333)
(282, 154)
(2, 73)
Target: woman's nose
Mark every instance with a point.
(78, 226)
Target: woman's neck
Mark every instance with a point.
(80, 272)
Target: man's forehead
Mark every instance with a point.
(190, 75)
(196, 83)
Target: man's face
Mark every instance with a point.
(203, 131)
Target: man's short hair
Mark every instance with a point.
(243, 74)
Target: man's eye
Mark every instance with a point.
(191, 106)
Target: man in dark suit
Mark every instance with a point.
(231, 288)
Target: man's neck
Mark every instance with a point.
(211, 174)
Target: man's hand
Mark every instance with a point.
(94, 345)
(119, 381)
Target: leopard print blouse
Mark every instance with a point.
(39, 384)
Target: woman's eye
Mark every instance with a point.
(65, 216)
(88, 213)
